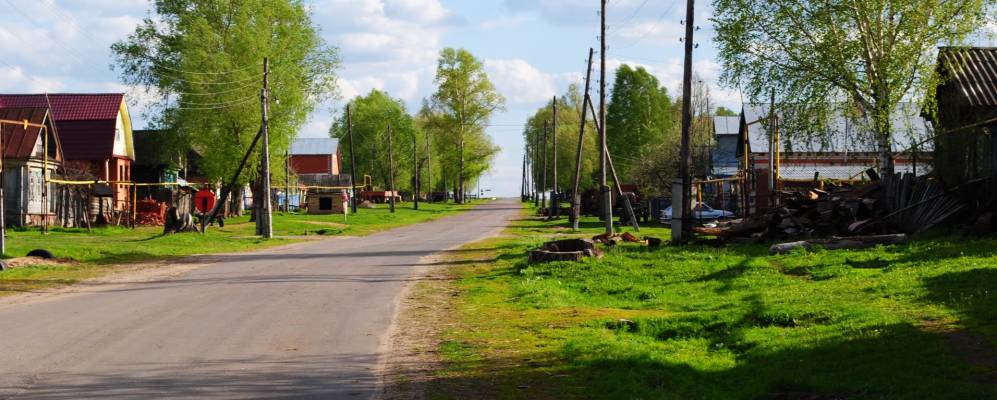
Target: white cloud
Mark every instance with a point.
(503, 22)
(520, 82)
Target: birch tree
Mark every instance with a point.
(866, 54)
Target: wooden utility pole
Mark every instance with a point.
(429, 163)
(287, 181)
(415, 178)
(3, 222)
(391, 172)
(522, 183)
(353, 159)
(576, 200)
(607, 196)
(682, 227)
(266, 216)
(543, 185)
(536, 177)
(555, 197)
(616, 179)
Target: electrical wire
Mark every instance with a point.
(652, 28)
(614, 26)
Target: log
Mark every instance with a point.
(855, 242)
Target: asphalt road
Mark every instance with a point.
(303, 321)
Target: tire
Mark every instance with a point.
(3, 265)
(41, 253)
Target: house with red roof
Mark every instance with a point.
(28, 198)
(95, 131)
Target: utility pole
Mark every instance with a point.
(353, 159)
(429, 163)
(607, 196)
(287, 181)
(391, 172)
(555, 197)
(266, 216)
(576, 200)
(415, 178)
(3, 222)
(543, 185)
(682, 228)
(535, 153)
(772, 151)
(522, 184)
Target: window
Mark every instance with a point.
(325, 203)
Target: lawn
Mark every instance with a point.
(99, 251)
(916, 321)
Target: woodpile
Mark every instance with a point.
(564, 250)
(893, 204)
(150, 213)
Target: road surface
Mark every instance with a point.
(303, 321)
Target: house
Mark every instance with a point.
(966, 118)
(723, 157)
(842, 151)
(315, 156)
(95, 131)
(28, 198)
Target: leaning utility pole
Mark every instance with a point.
(265, 221)
(555, 198)
(576, 200)
(607, 196)
(682, 228)
(353, 159)
(415, 178)
(391, 172)
(543, 185)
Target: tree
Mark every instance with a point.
(373, 115)
(725, 112)
(865, 54)
(464, 100)
(639, 116)
(203, 61)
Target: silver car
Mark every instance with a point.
(700, 212)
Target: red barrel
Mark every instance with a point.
(204, 200)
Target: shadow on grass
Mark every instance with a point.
(897, 361)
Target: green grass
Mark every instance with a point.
(915, 321)
(99, 251)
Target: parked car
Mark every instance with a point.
(701, 212)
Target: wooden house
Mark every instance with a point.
(326, 194)
(966, 118)
(842, 151)
(28, 199)
(95, 131)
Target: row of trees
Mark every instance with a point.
(643, 128)
(445, 141)
(202, 62)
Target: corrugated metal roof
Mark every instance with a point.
(18, 142)
(973, 72)
(806, 172)
(726, 125)
(70, 107)
(314, 146)
(844, 134)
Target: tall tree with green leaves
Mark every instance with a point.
(865, 54)
(203, 60)
(464, 101)
(639, 117)
(373, 115)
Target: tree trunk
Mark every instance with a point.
(460, 169)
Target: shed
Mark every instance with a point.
(327, 194)
(966, 117)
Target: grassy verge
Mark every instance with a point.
(901, 322)
(98, 251)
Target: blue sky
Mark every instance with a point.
(532, 49)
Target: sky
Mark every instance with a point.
(532, 50)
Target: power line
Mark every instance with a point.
(622, 22)
(652, 28)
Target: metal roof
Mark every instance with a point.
(726, 125)
(973, 73)
(844, 134)
(19, 142)
(314, 146)
(70, 107)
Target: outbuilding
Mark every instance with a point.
(28, 198)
